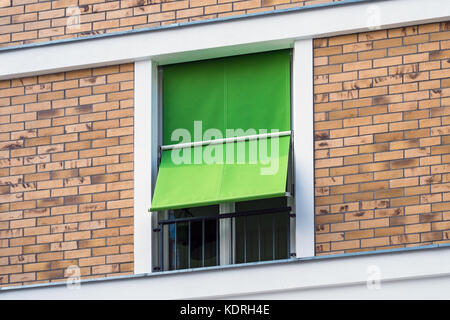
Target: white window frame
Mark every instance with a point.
(147, 122)
(146, 142)
(151, 141)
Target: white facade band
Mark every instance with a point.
(406, 274)
(213, 40)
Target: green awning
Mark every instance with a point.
(182, 185)
(246, 92)
(241, 92)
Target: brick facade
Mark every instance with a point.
(382, 139)
(28, 21)
(66, 175)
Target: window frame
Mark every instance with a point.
(300, 52)
(227, 241)
(148, 114)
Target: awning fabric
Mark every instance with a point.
(192, 185)
(242, 92)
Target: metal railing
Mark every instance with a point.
(175, 223)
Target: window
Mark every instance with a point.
(222, 191)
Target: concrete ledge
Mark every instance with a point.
(413, 273)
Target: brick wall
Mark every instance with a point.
(382, 139)
(66, 175)
(27, 21)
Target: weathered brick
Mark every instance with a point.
(398, 90)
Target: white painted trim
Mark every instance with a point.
(227, 248)
(303, 144)
(406, 274)
(226, 140)
(225, 38)
(145, 161)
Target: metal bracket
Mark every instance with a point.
(156, 229)
(159, 155)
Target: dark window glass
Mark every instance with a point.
(262, 237)
(196, 241)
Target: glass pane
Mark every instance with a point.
(241, 253)
(264, 237)
(196, 244)
(190, 244)
(210, 243)
(281, 236)
(182, 245)
(252, 239)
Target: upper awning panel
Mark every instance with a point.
(216, 99)
(247, 92)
